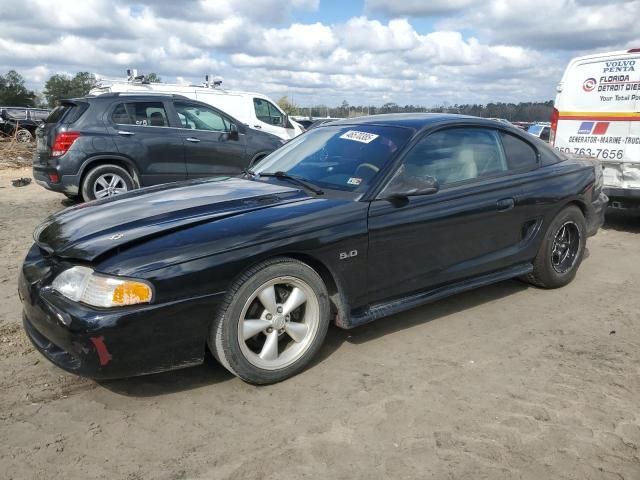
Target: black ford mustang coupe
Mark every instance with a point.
(350, 222)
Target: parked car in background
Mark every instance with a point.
(540, 130)
(503, 120)
(255, 110)
(352, 221)
(21, 122)
(305, 122)
(95, 147)
(322, 121)
(522, 125)
(597, 114)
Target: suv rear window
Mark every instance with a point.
(146, 114)
(67, 112)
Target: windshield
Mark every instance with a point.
(338, 157)
(535, 129)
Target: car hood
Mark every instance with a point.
(86, 231)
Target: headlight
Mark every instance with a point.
(81, 284)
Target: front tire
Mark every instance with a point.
(106, 181)
(272, 322)
(561, 251)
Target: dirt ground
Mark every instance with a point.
(508, 381)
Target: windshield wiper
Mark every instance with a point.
(297, 180)
(249, 173)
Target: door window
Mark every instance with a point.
(145, 114)
(520, 155)
(267, 112)
(456, 155)
(197, 117)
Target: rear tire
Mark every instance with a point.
(272, 322)
(106, 181)
(561, 251)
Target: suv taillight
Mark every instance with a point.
(63, 143)
(554, 126)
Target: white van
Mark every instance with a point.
(257, 111)
(597, 114)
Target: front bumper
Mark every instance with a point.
(111, 343)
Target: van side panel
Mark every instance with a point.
(235, 105)
(599, 114)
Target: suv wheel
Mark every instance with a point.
(105, 181)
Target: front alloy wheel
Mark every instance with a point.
(272, 322)
(278, 323)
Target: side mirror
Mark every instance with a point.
(234, 133)
(403, 186)
(286, 122)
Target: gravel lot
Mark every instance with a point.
(508, 381)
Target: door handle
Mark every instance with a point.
(505, 204)
(192, 140)
(258, 127)
(125, 133)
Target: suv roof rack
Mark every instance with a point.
(138, 94)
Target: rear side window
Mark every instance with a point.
(520, 155)
(145, 114)
(267, 112)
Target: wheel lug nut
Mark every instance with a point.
(269, 316)
(279, 309)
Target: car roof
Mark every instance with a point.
(415, 121)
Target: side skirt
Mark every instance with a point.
(384, 309)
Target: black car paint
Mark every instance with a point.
(192, 239)
(152, 154)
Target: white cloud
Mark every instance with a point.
(512, 54)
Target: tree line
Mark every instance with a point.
(14, 93)
(514, 112)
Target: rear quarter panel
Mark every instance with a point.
(552, 188)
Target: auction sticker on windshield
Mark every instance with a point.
(362, 137)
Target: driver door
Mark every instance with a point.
(467, 228)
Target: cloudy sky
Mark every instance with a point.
(426, 52)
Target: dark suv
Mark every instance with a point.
(95, 147)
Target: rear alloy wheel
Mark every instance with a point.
(273, 322)
(23, 136)
(561, 251)
(106, 181)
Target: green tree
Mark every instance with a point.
(63, 86)
(288, 106)
(13, 91)
(153, 77)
